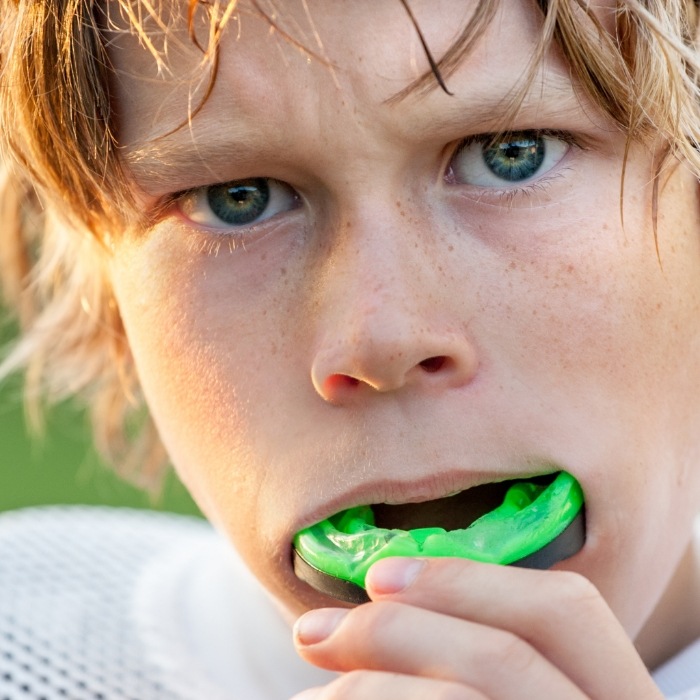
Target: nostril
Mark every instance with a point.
(433, 364)
(336, 381)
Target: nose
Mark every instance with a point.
(388, 320)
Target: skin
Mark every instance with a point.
(293, 374)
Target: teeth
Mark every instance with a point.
(455, 510)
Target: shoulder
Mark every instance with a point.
(70, 581)
(85, 541)
(92, 547)
(679, 677)
(111, 604)
(52, 522)
(84, 546)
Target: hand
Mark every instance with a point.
(460, 630)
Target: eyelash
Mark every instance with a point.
(566, 136)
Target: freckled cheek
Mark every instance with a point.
(603, 315)
(612, 339)
(181, 374)
(213, 366)
(536, 317)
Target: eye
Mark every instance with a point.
(238, 203)
(512, 158)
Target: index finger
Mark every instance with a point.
(560, 613)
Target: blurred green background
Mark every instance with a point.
(61, 466)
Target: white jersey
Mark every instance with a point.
(679, 678)
(117, 604)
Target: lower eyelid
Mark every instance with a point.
(211, 241)
(526, 196)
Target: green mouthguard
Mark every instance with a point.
(530, 518)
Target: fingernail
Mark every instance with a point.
(394, 574)
(315, 626)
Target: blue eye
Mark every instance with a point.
(515, 160)
(238, 203)
(518, 157)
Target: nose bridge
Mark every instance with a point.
(384, 318)
(380, 281)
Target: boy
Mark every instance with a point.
(336, 282)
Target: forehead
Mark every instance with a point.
(316, 63)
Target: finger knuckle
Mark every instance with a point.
(376, 619)
(361, 684)
(577, 590)
(352, 684)
(517, 654)
(455, 691)
(504, 649)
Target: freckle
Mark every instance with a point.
(569, 268)
(283, 271)
(263, 256)
(450, 248)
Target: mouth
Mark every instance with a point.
(456, 512)
(530, 523)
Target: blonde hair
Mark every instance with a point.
(64, 191)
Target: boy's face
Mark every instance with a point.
(403, 318)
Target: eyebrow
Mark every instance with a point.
(197, 154)
(200, 154)
(555, 97)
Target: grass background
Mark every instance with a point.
(61, 466)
